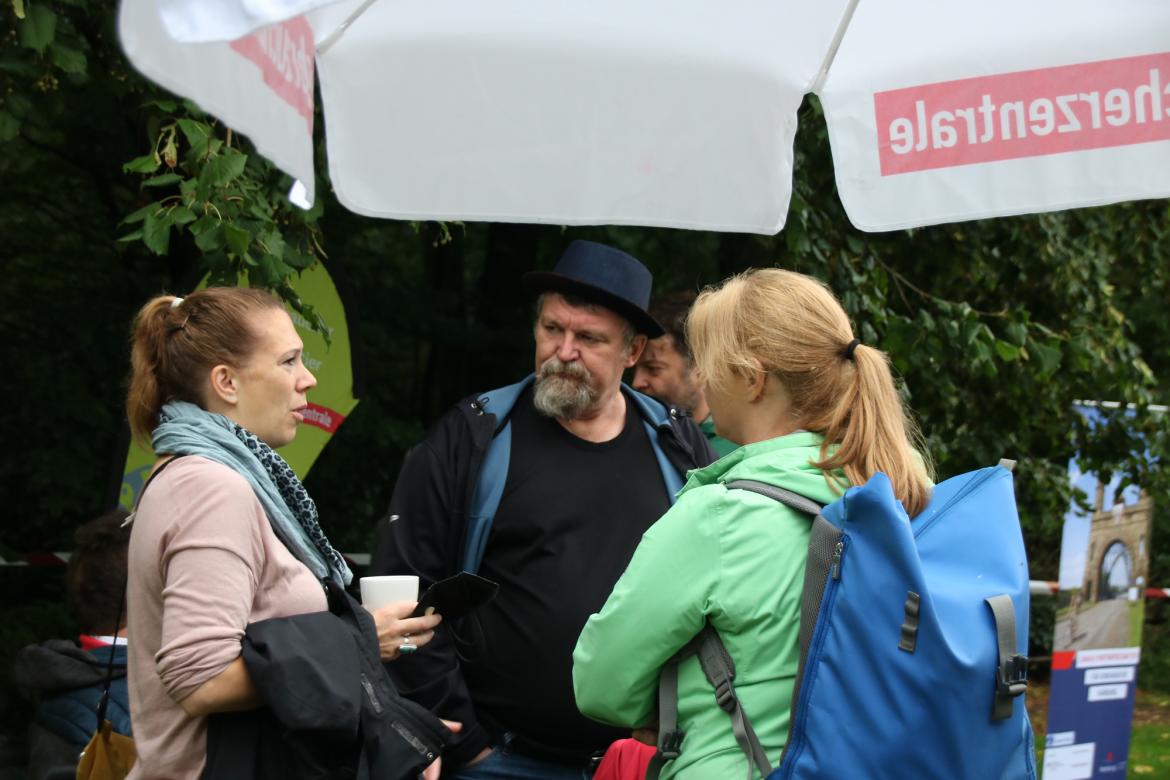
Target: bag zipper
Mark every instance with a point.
(796, 739)
(975, 483)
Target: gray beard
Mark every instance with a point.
(559, 396)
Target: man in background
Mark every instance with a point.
(69, 677)
(665, 370)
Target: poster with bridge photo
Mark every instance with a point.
(1097, 639)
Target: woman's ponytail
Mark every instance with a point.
(174, 342)
(793, 326)
(874, 432)
(145, 397)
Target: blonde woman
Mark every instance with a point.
(815, 411)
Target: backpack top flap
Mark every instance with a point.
(901, 675)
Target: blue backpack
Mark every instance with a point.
(913, 639)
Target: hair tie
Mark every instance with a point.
(853, 345)
(175, 303)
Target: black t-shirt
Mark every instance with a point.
(571, 514)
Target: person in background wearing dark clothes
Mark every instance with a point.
(70, 677)
(666, 370)
(587, 465)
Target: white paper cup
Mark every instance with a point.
(380, 591)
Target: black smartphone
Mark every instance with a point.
(455, 596)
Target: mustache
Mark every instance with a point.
(556, 367)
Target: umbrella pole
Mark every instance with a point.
(332, 37)
(831, 54)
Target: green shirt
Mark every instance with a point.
(721, 445)
(730, 557)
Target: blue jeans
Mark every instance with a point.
(503, 764)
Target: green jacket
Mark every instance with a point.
(730, 557)
(721, 445)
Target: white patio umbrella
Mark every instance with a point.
(941, 112)
(683, 113)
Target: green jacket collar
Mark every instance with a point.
(785, 461)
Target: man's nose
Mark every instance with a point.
(567, 349)
(639, 382)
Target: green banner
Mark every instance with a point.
(330, 402)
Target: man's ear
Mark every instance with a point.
(636, 348)
(224, 384)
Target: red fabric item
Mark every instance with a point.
(89, 642)
(625, 759)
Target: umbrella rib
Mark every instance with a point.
(333, 37)
(831, 54)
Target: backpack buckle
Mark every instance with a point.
(1013, 676)
(725, 695)
(670, 744)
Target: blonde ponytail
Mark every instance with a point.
(796, 329)
(874, 432)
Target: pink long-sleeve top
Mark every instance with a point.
(204, 563)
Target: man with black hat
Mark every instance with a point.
(545, 487)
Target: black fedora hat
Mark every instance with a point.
(604, 275)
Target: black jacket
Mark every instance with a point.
(331, 711)
(423, 534)
(70, 681)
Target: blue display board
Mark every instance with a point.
(1097, 638)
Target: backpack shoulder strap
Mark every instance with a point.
(718, 667)
(786, 497)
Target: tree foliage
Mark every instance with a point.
(230, 203)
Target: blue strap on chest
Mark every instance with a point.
(486, 498)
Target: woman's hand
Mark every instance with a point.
(396, 628)
(433, 771)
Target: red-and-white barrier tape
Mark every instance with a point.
(1049, 588)
(62, 558)
(1037, 587)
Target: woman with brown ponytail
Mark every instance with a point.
(224, 534)
(816, 411)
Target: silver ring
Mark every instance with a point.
(406, 648)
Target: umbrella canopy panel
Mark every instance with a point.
(942, 112)
(204, 21)
(671, 114)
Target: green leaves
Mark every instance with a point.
(238, 239)
(198, 134)
(164, 180)
(156, 232)
(9, 126)
(230, 205)
(147, 163)
(223, 169)
(1046, 357)
(68, 59)
(1007, 351)
(38, 27)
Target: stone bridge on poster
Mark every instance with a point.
(1118, 546)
